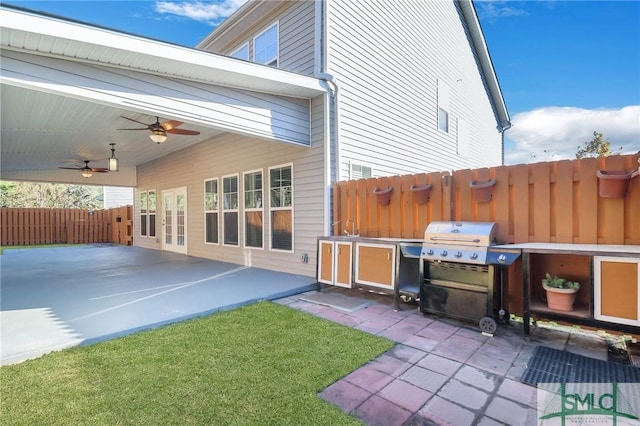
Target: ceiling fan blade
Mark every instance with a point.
(183, 132)
(71, 168)
(135, 121)
(170, 124)
(137, 128)
(99, 169)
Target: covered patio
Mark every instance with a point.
(55, 298)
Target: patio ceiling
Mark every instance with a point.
(63, 98)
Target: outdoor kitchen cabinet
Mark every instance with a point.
(617, 289)
(376, 265)
(335, 262)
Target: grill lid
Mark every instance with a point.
(458, 241)
(479, 234)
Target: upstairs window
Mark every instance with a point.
(360, 172)
(265, 47)
(443, 106)
(242, 53)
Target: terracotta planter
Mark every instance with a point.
(383, 195)
(560, 299)
(613, 183)
(482, 190)
(421, 193)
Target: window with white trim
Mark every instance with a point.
(443, 106)
(281, 207)
(242, 52)
(230, 210)
(360, 172)
(253, 209)
(265, 46)
(151, 203)
(142, 206)
(211, 211)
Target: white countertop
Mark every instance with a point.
(598, 249)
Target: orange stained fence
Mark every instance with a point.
(562, 202)
(33, 226)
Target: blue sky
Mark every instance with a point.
(566, 68)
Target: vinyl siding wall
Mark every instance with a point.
(387, 68)
(234, 154)
(296, 34)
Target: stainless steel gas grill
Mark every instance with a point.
(458, 271)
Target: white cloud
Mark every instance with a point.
(208, 12)
(491, 10)
(555, 133)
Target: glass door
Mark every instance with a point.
(174, 220)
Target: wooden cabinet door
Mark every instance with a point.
(343, 264)
(617, 289)
(376, 265)
(325, 262)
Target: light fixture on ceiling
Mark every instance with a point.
(158, 136)
(114, 163)
(86, 172)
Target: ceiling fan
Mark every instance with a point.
(159, 130)
(86, 170)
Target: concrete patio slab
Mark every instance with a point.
(54, 298)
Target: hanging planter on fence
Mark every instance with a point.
(482, 190)
(383, 195)
(421, 193)
(614, 183)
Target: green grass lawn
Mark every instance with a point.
(260, 364)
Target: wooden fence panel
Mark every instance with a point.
(32, 226)
(541, 202)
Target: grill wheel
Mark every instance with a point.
(488, 325)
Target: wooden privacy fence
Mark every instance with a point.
(32, 226)
(561, 202)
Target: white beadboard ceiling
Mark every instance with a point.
(47, 122)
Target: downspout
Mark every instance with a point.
(332, 90)
(503, 127)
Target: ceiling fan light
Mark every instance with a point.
(86, 173)
(158, 136)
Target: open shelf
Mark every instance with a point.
(580, 310)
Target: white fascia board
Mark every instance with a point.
(221, 69)
(475, 29)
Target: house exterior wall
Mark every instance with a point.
(387, 68)
(230, 154)
(296, 26)
(115, 196)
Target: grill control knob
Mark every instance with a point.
(502, 258)
(443, 253)
(430, 252)
(458, 254)
(474, 255)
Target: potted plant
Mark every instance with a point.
(561, 293)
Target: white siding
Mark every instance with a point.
(230, 154)
(387, 68)
(296, 21)
(114, 196)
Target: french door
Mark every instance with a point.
(174, 220)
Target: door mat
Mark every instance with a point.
(549, 365)
(336, 301)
